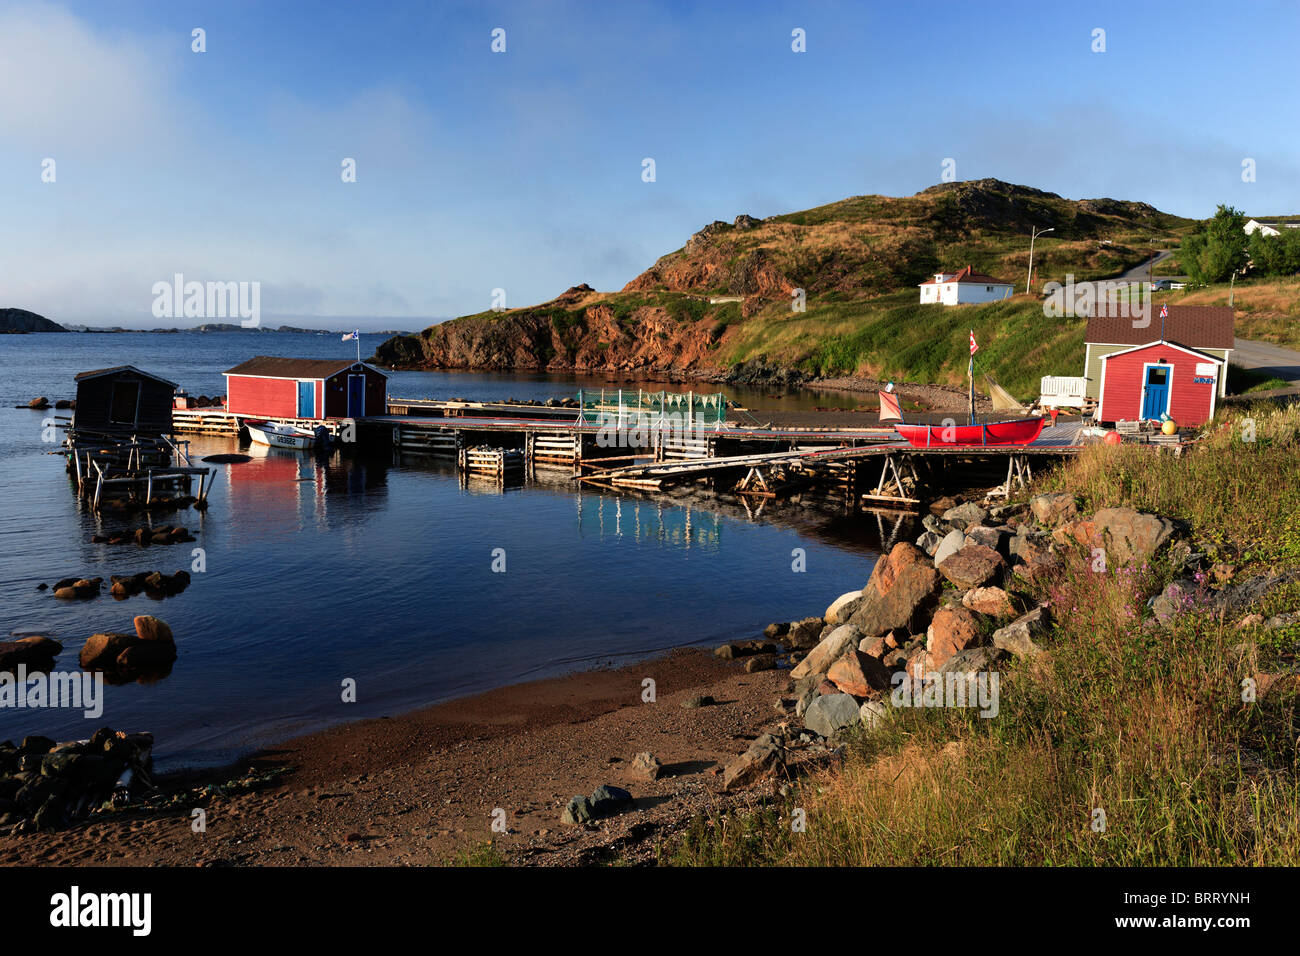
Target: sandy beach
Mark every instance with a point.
(420, 788)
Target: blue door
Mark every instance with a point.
(356, 396)
(306, 399)
(1155, 396)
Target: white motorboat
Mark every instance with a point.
(280, 436)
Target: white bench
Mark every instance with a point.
(1063, 391)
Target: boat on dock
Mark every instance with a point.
(1018, 431)
(278, 435)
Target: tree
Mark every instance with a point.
(1218, 249)
(1275, 255)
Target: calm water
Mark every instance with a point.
(375, 568)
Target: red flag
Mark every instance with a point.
(973, 347)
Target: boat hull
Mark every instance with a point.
(263, 433)
(1021, 431)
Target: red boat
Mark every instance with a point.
(1019, 431)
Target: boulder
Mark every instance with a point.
(761, 662)
(578, 811)
(821, 657)
(963, 516)
(647, 765)
(929, 542)
(876, 647)
(952, 542)
(871, 714)
(149, 628)
(995, 538)
(830, 713)
(1054, 509)
(101, 651)
(859, 674)
(608, 800)
(698, 700)
(1178, 596)
(1131, 537)
(765, 756)
(35, 652)
(953, 629)
(904, 586)
(842, 607)
(1017, 638)
(805, 633)
(992, 601)
(972, 660)
(973, 567)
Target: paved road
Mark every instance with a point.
(1274, 359)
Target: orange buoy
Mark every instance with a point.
(1112, 438)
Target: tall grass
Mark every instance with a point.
(1144, 725)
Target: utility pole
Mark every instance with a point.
(1033, 234)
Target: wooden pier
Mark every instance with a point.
(859, 467)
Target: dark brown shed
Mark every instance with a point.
(123, 400)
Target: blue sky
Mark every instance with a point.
(522, 170)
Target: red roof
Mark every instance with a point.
(969, 274)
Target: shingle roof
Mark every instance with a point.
(968, 274)
(1195, 326)
(274, 366)
(94, 373)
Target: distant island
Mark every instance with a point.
(18, 321)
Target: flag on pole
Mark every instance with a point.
(1164, 311)
(973, 347)
(352, 335)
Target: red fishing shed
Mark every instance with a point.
(1146, 381)
(273, 387)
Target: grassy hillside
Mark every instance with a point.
(857, 262)
(896, 337)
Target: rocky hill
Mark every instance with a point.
(724, 300)
(20, 320)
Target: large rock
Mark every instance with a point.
(1017, 638)
(859, 674)
(842, 608)
(871, 714)
(929, 542)
(904, 586)
(963, 516)
(821, 657)
(830, 713)
(149, 628)
(608, 800)
(1129, 536)
(805, 633)
(1178, 596)
(972, 660)
(995, 538)
(578, 811)
(973, 567)
(765, 755)
(952, 542)
(953, 629)
(1054, 509)
(101, 651)
(992, 601)
(35, 652)
(647, 765)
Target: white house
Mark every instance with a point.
(963, 288)
(1269, 228)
